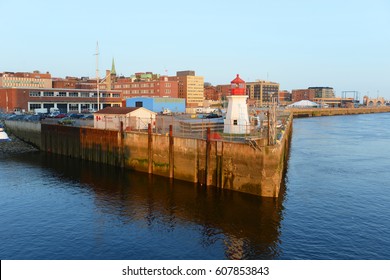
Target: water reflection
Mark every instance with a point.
(245, 226)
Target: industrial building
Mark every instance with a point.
(66, 100)
(158, 104)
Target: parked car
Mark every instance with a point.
(87, 117)
(60, 116)
(53, 114)
(212, 116)
(66, 121)
(76, 116)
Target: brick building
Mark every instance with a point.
(223, 91)
(65, 99)
(303, 94)
(26, 79)
(210, 93)
(151, 86)
(284, 97)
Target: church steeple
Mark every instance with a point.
(113, 71)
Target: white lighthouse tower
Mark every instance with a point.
(237, 119)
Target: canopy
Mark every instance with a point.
(303, 104)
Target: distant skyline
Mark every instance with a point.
(302, 43)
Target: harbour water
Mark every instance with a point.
(334, 205)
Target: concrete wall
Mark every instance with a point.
(320, 112)
(27, 131)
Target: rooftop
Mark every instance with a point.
(117, 110)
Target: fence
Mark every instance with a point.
(187, 127)
(183, 126)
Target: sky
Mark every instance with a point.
(302, 43)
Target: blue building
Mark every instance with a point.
(158, 104)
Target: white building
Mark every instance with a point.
(133, 118)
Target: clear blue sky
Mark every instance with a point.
(344, 44)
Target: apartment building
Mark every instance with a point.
(190, 87)
(262, 92)
(312, 93)
(323, 92)
(147, 85)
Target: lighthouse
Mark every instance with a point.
(237, 120)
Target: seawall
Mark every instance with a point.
(320, 112)
(249, 167)
(29, 132)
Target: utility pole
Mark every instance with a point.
(272, 123)
(97, 76)
(6, 100)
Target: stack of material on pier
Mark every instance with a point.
(303, 104)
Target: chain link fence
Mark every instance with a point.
(196, 127)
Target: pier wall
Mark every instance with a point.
(321, 112)
(242, 167)
(29, 132)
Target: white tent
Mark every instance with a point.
(303, 104)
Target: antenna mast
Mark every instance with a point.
(97, 76)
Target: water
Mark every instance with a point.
(334, 205)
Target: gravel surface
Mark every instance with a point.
(15, 146)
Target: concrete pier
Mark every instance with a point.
(249, 167)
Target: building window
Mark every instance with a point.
(235, 122)
(138, 104)
(73, 94)
(35, 93)
(35, 106)
(84, 94)
(62, 93)
(48, 93)
(84, 106)
(116, 95)
(73, 107)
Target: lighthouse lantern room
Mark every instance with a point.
(237, 119)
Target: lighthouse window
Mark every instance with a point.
(234, 122)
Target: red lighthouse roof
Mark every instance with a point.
(237, 80)
(237, 86)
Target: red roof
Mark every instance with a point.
(237, 80)
(116, 110)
